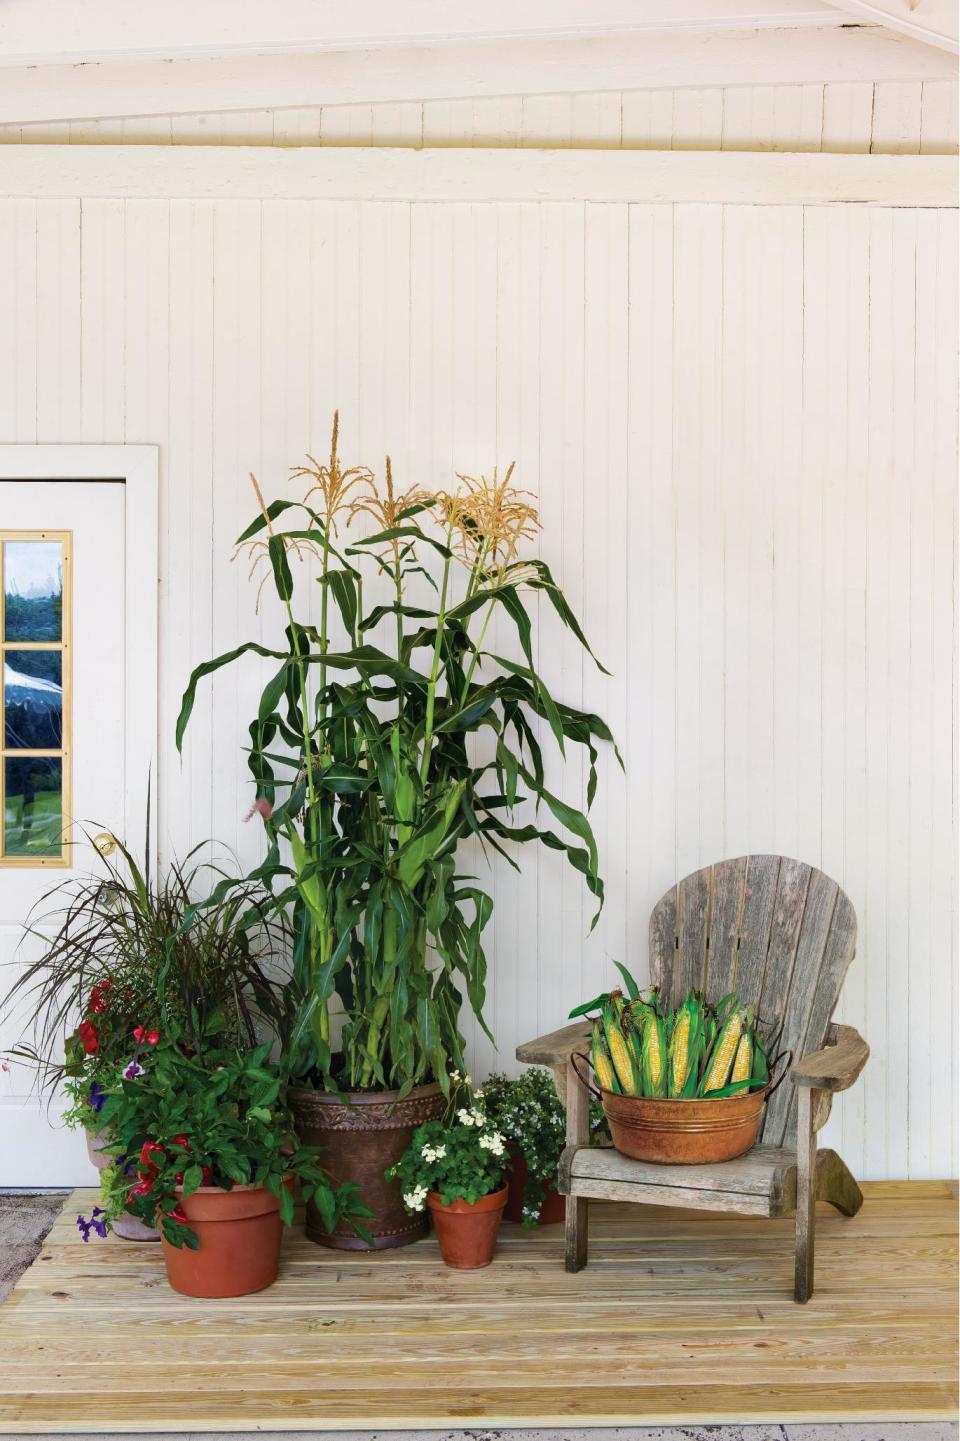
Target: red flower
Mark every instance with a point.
(177, 1214)
(138, 1033)
(207, 1177)
(181, 1141)
(150, 1149)
(89, 1038)
(99, 999)
(142, 1188)
(153, 1037)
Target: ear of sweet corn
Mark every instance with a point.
(621, 1054)
(743, 1060)
(722, 1057)
(654, 1069)
(602, 1065)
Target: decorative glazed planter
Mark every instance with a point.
(467, 1231)
(361, 1134)
(239, 1233)
(553, 1209)
(127, 1226)
(684, 1133)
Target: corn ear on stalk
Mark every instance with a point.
(680, 1051)
(602, 1065)
(721, 1061)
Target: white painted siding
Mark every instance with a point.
(888, 117)
(741, 424)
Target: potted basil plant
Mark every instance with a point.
(368, 780)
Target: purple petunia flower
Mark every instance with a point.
(95, 1223)
(97, 1097)
(133, 1070)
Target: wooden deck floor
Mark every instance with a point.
(681, 1316)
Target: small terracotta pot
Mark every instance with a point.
(467, 1231)
(361, 1135)
(554, 1207)
(239, 1233)
(127, 1226)
(684, 1133)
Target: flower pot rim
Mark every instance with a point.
(482, 1203)
(288, 1179)
(362, 1098)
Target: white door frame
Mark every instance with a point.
(137, 467)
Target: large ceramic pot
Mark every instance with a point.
(360, 1135)
(467, 1230)
(239, 1233)
(127, 1226)
(553, 1207)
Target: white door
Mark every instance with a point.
(62, 759)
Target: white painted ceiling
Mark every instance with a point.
(58, 31)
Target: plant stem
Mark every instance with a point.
(435, 669)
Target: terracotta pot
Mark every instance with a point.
(239, 1233)
(554, 1208)
(467, 1231)
(684, 1133)
(127, 1226)
(360, 1135)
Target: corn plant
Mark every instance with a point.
(367, 778)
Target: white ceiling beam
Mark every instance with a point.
(933, 22)
(655, 59)
(256, 172)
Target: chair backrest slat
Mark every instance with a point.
(778, 932)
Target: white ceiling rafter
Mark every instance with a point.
(932, 22)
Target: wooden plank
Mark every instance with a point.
(690, 961)
(350, 173)
(759, 897)
(750, 1174)
(726, 911)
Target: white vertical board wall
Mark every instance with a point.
(741, 425)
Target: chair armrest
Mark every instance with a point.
(557, 1048)
(837, 1066)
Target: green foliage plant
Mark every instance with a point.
(387, 734)
(528, 1112)
(199, 1109)
(462, 1157)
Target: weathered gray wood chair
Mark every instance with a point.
(782, 935)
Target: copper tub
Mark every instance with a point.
(684, 1133)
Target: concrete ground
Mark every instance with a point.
(25, 1221)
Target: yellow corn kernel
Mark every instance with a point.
(603, 1068)
(723, 1056)
(744, 1060)
(681, 1045)
(620, 1056)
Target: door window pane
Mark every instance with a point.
(32, 699)
(35, 748)
(33, 808)
(32, 590)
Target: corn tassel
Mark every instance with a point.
(718, 1071)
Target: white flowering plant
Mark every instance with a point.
(529, 1114)
(462, 1157)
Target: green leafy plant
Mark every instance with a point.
(200, 1110)
(387, 734)
(122, 954)
(528, 1112)
(461, 1158)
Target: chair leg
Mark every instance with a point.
(806, 1193)
(575, 1233)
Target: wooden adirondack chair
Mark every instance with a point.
(782, 935)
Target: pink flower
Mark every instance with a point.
(260, 807)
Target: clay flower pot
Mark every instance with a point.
(239, 1233)
(127, 1226)
(467, 1231)
(553, 1209)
